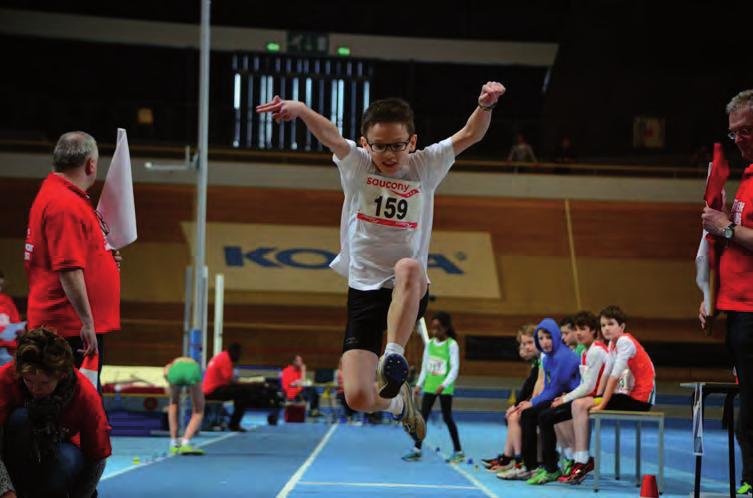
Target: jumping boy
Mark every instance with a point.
(385, 230)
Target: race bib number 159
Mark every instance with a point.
(389, 202)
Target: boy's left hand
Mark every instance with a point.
(491, 92)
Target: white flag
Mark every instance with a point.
(116, 204)
(702, 263)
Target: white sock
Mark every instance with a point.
(581, 457)
(396, 406)
(568, 452)
(185, 442)
(393, 347)
(173, 442)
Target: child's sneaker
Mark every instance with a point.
(174, 450)
(745, 489)
(567, 466)
(543, 476)
(580, 470)
(187, 449)
(413, 422)
(457, 457)
(392, 371)
(517, 472)
(413, 456)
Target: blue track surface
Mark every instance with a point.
(318, 459)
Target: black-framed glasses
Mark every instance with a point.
(742, 133)
(102, 223)
(396, 147)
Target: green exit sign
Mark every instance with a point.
(308, 42)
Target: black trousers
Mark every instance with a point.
(529, 421)
(445, 402)
(311, 395)
(740, 345)
(76, 343)
(547, 420)
(245, 396)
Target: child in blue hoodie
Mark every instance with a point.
(561, 375)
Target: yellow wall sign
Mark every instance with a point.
(288, 258)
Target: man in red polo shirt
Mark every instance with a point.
(735, 296)
(74, 283)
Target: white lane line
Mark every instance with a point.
(303, 468)
(146, 464)
(384, 485)
(474, 481)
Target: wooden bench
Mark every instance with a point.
(638, 418)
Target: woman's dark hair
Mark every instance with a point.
(445, 320)
(42, 350)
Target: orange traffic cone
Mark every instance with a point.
(648, 488)
(90, 367)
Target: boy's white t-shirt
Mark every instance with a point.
(385, 219)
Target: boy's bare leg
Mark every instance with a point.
(409, 289)
(197, 412)
(514, 433)
(580, 422)
(361, 392)
(173, 393)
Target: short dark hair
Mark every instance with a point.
(391, 110)
(568, 320)
(234, 350)
(615, 313)
(72, 150)
(586, 319)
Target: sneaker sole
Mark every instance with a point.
(413, 422)
(392, 371)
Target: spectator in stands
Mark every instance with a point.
(221, 383)
(8, 314)
(628, 383)
(561, 375)
(521, 151)
(556, 419)
(55, 431)
(511, 455)
(735, 295)
(74, 281)
(294, 385)
(184, 372)
(439, 370)
(565, 152)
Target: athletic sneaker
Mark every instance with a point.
(501, 467)
(567, 472)
(413, 456)
(567, 466)
(187, 449)
(517, 473)
(413, 422)
(579, 472)
(491, 461)
(543, 476)
(457, 457)
(392, 371)
(745, 489)
(174, 450)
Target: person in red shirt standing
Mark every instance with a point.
(8, 314)
(74, 280)
(293, 385)
(221, 384)
(735, 295)
(55, 431)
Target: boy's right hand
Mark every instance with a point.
(702, 315)
(282, 110)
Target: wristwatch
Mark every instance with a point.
(729, 231)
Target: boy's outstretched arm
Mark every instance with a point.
(318, 125)
(475, 129)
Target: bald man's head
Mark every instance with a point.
(73, 150)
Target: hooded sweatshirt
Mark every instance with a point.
(561, 365)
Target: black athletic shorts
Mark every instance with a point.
(367, 318)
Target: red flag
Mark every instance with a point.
(90, 368)
(716, 179)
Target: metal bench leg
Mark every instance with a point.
(617, 449)
(661, 455)
(597, 454)
(638, 454)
